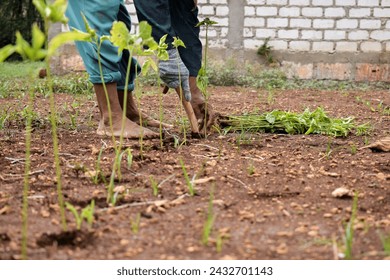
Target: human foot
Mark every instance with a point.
(132, 112)
(111, 113)
(131, 130)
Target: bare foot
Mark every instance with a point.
(131, 130)
(132, 113)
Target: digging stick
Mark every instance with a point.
(190, 112)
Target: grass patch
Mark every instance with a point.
(14, 80)
(9, 70)
(15, 86)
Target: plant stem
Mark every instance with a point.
(53, 121)
(27, 169)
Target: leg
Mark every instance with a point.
(100, 15)
(131, 129)
(133, 114)
(184, 14)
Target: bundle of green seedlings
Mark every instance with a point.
(315, 122)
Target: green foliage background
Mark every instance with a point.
(17, 15)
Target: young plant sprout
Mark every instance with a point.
(85, 214)
(349, 230)
(134, 224)
(202, 79)
(208, 225)
(135, 45)
(190, 185)
(154, 185)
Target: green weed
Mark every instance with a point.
(385, 243)
(208, 224)
(98, 175)
(353, 149)
(85, 214)
(349, 231)
(251, 169)
(134, 224)
(190, 185)
(265, 50)
(154, 185)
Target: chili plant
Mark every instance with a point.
(202, 78)
(141, 44)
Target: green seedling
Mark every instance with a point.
(219, 242)
(208, 225)
(349, 231)
(385, 243)
(3, 118)
(202, 79)
(353, 149)
(85, 214)
(154, 185)
(134, 224)
(98, 176)
(77, 168)
(190, 185)
(141, 44)
(270, 97)
(329, 150)
(251, 169)
(74, 114)
(129, 157)
(363, 129)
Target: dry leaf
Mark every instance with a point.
(203, 180)
(4, 210)
(326, 173)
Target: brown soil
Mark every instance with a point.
(272, 192)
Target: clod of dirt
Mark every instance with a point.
(382, 145)
(4, 237)
(5, 210)
(342, 193)
(67, 238)
(42, 73)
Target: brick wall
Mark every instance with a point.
(320, 39)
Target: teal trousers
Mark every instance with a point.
(177, 18)
(100, 15)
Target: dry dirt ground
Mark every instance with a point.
(271, 193)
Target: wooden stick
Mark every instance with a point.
(189, 111)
